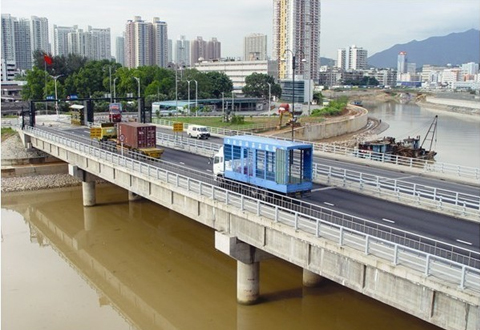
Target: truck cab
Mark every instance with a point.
(218, 164)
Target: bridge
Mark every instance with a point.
(436, 285)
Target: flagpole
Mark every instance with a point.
(45, 88)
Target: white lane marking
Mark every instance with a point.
(329, 204)
(388, 220)
(209, 170)
(320, 189)
(182, 163)
(464, 242)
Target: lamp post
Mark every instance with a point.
(269, 96)
(110, 81)
(56, 98)
(188, 96)
(293, 87)
(114, 92)
(196, 98)
(223, 105)
(233, 105)
(138, 96)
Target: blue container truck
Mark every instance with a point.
(280, 166)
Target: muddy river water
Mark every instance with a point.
(135, 265)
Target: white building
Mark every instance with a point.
(237, 71)
(357, 58)
(60, 39)
(255, 47)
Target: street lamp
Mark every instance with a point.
(114, 92)
(196, 98)
(293, 86)
(138, 98)
(56, 98)
(188, 92)
(269, 96)
(223, 105)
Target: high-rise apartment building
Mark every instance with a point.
(342, 59)
(357, 58)
(23, 49)
(214, 50)
(146, 43)
(60, 39)
(353, 58)
(296, 30)
(255, 47)
(199, 50)
(120, 50)
(182, 51)
(8, 38)
(40, 39)
(160, 43)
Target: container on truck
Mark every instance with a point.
(138, 137)
(280, 166)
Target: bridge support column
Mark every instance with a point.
(248, 282)
(310, 279)
(248, 265)
(132, 197)
(88, 191)
(88, 184)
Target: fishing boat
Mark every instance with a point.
(409, 147)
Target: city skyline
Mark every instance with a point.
(384, 25)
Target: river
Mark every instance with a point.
(458, 135)
(135, 265)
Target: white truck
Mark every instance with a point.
(197, 131)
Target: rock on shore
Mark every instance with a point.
(12, 148)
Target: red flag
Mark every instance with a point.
(48, 60)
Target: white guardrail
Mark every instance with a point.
(440, 200)
(469, 173)
(321, 226)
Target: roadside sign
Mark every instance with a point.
(178, 127)
(121, 138)
(50, 97)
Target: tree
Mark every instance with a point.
(218, 82)
(256, 85)
(35, 87)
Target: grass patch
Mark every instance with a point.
(7, 132)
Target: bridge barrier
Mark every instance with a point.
(436, 199)
(463, 275)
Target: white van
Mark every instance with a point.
(197, 131)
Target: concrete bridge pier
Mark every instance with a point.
(88, 184)
(310, 279)
(132, 197)
(248, 265)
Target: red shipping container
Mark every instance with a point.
(137, 135)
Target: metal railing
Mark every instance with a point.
(440, 200)
(443, 200)
(465, 274)
(426, 166)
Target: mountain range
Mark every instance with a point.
(454, 49)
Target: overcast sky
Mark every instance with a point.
(374, 25)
